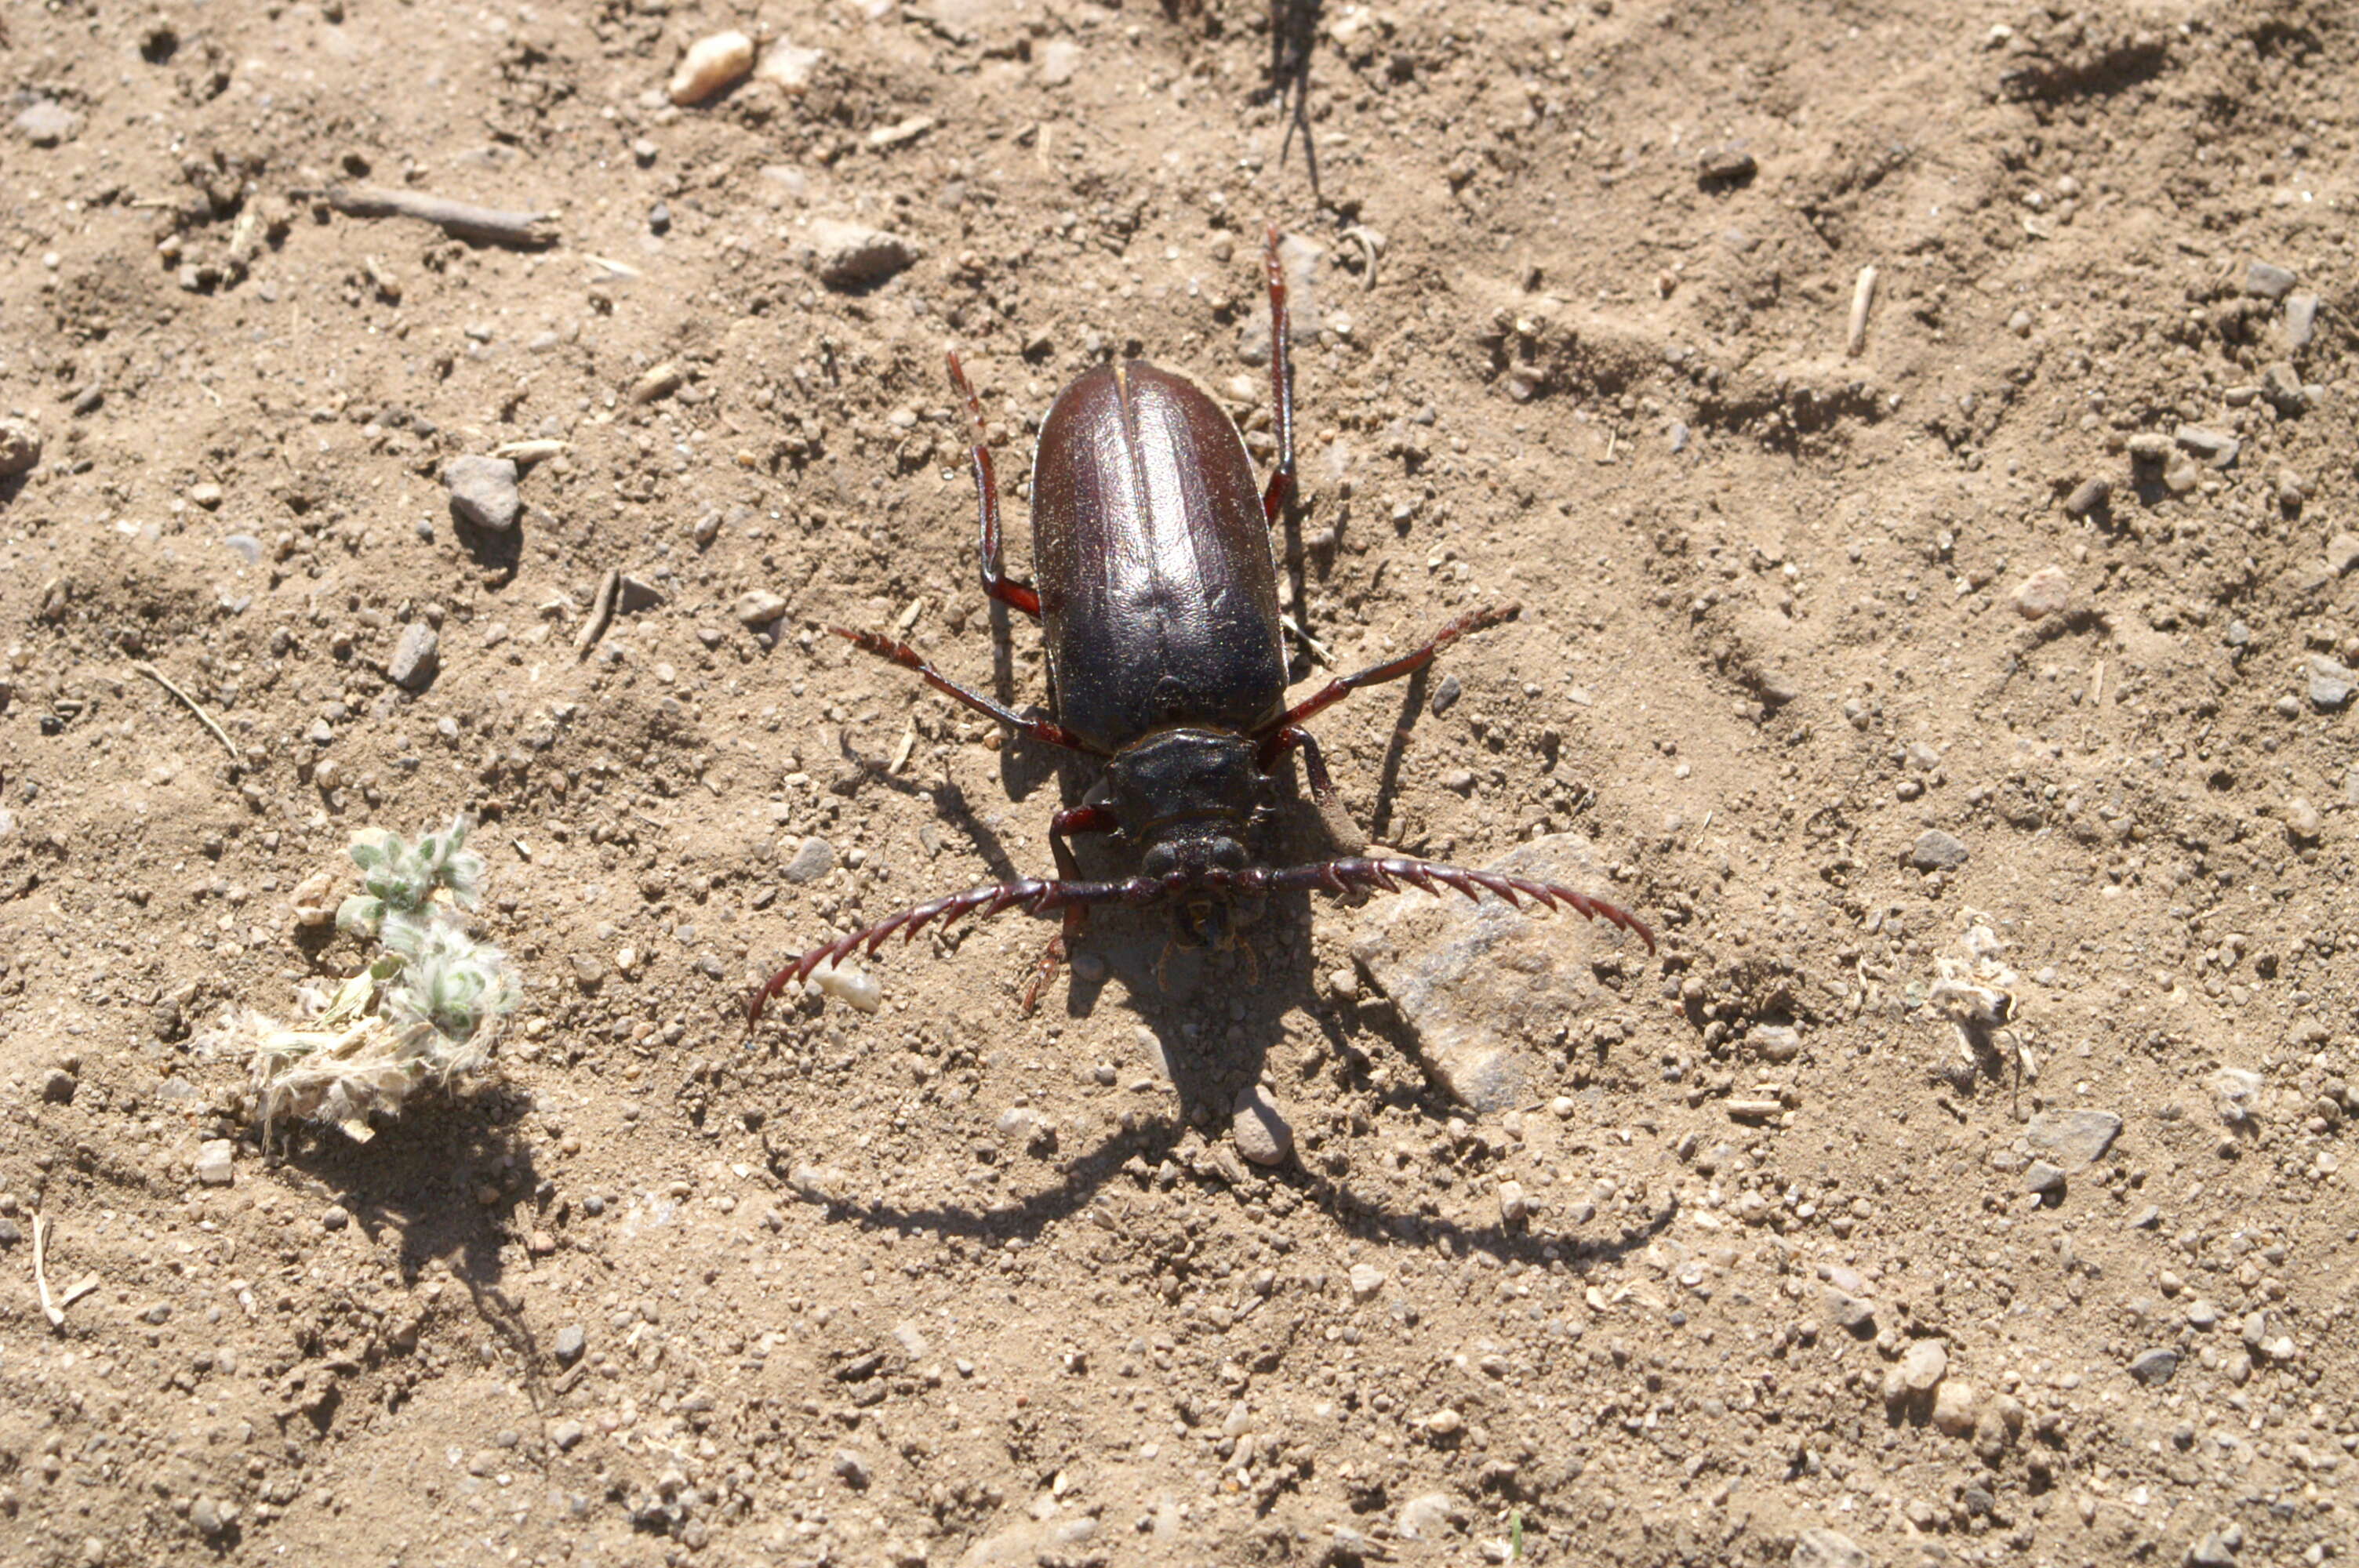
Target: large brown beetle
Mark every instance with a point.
(1157, 593)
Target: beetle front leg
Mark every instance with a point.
(1013, 592)
(1079, 819)
(1280, 494)
(1041, 730)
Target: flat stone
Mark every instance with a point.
(2074, 1140)
(853, 255)
(759, 608)
(2330, 684)
(1473, 982)
(2047, 591)
(2266, 280)
(2300, 321)
(1924, 1365)
(482, 492)
(1259, 1131)
(1818, 1547)
(2043, 1177)
(215, 1166)
(1937, 851)
(1425, 1516)
(417, 658)
(2154, 1367)
(45, 122)
(813, 860)
(2206, 445)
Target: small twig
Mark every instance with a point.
(1862, 296)
(220, 734)
(55, 1313)
(1326, 660)
(602, 614)
(460, 220)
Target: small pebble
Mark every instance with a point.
(1923, 1366)
(2074, 1138)
(2330, 684)
(1818, 1547)
(1955, 1407)
(759, 608)
(214, 1162)
(1367, 1279)
(1937, 851)
(2043, 1178)
(851, 1469)
(2342, 553)
(566, 1434)
(1056, 62)
(45, 122)
(484, 491)
(571, 1342)
(2047, 591)
(2088, 498)
(655, 382)
(58, 1085)
(853, 256)
(335, 1217)
(711, 66)
(2154, 1367)
(855, 987)
(417, 658)
(2300, 321)
(2264, 280)
(20, 448)
(1515, 1205)
(2216, 448)
(789, 68)
(813, 860)
(1259, 1129)
(2302, 822)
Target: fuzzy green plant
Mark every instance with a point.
(427, 1009)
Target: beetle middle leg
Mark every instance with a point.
(1273, 735)
(1013, 592)
(1041, 730)
(1078, 819)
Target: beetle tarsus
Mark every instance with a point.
(1014, 592)
(908, 658)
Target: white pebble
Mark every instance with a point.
(789, 67)
(855, 986)
(712, 65)
(2045, 592)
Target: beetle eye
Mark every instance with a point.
(1159, 861)
(1229, 855)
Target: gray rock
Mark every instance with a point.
(569, 1343)
(1472, 981)
(58, 1086)
(2342, 553)
(214, 1162)
(1055, 61)
(1259, 1131)
(2300, 321)
(1852, 1315)
(2074, 1140)
(1818, 1547)
(482, 492)
(209, 1518)
(2203, 1315)
(2206, 445)
(813, 860)
(2154, 1367)
(2264, 280)
(1923, 1366)
(2088, 498)
(2042, 1177)
(1937, 851)
(851, 1468)
(759, 608)
(1367, 1279)
(1023, 1545)
(2330, 684)
(1425, 1516)
(45, 122)
(853, 255)
(417, 658)
(2217, 1550)
(20, 448)
(566, 1434)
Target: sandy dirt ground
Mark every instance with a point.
(1919, 436)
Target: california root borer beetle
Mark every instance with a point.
(1157, 592)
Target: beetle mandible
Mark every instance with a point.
(1157, 596)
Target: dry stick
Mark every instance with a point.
(460, 220)
(41, 1273)
(1862, 295)
(220, 734)
(602, 614)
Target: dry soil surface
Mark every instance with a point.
(1961, 696)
